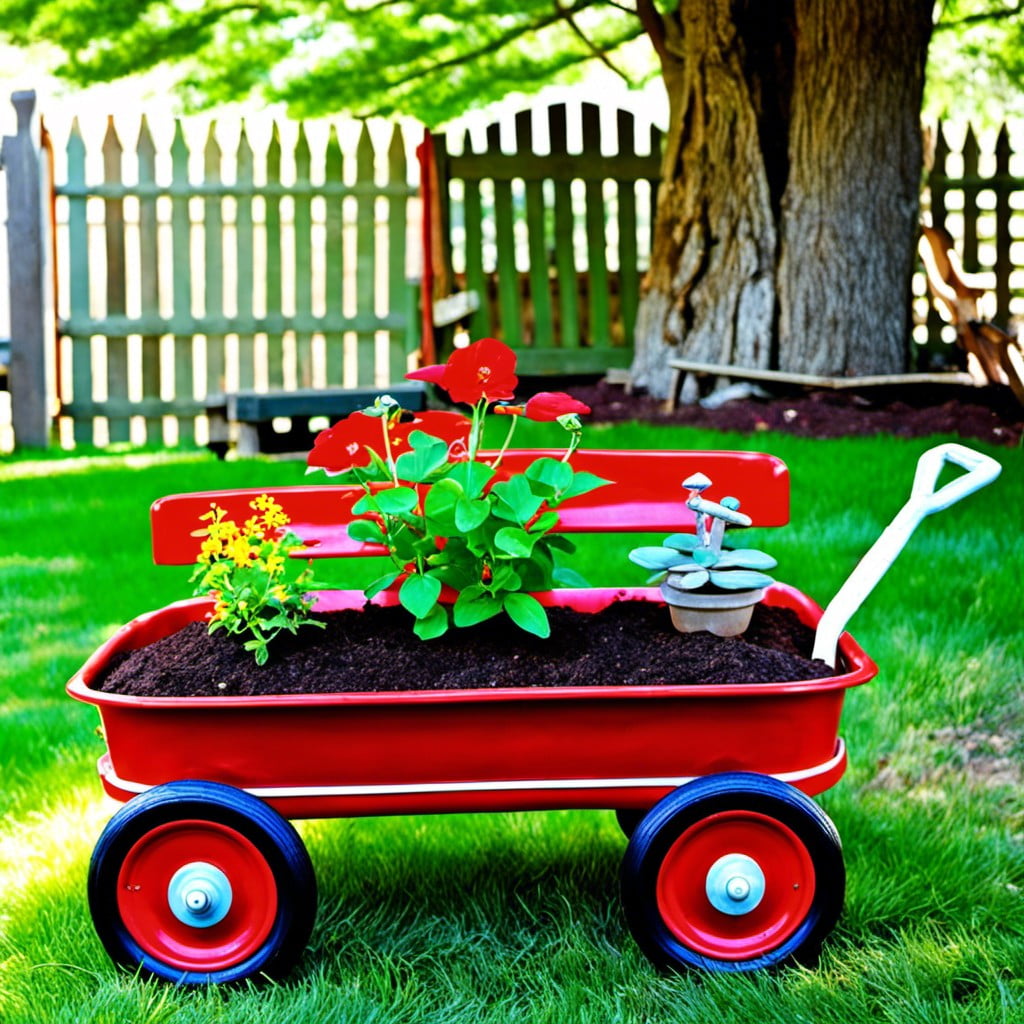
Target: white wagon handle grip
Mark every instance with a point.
(924, 499)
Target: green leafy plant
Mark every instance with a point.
(702, 559)
(245, 569)
(448, 516)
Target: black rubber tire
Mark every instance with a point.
(272, 843)
(701, 804)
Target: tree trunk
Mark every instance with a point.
(787, 213)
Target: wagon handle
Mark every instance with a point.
(924, 500)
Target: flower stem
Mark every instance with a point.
(508, 440)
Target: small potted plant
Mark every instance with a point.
(707, 585)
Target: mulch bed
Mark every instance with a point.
(630, 642)
(989, 414)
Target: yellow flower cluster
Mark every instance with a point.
(224, 539)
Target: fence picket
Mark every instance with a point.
(273, 303)
(302, 221)
(334, 261)
(565, 248)
(118, 425)
(79, 291)
(149, 277)
(245, 262)
(181, 260)
(366, 257)
(213, 264)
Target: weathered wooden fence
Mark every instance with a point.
(551, 238)
(268, 269)
(976, 193)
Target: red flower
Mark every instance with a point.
(549, 405)
(483, 370)
(344, 445)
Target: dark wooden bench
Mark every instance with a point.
(244, 421)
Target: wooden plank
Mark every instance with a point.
(272, 270)
(537, 249)
(629, 257)
(366, 259)
(181, 262)
(480, 325)
(113, 228)
(818, 381)
(400, 343)
(594, 219)
(213, 264)
(334, 255)
(303, 261)
(78, 289)
(569, 361)
(149, 273)
(565, 245)
(509, 308)
(1004, 237)
(245, 261)
(970, 152)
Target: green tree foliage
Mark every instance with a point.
(976, 60)
(429, 59)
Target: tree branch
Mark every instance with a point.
(976, 19)
(595, 51)
(492, 46)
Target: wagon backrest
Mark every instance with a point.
(644, 494)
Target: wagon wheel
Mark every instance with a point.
(200, 882)
(733, 872)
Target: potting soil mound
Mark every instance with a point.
(630, 642)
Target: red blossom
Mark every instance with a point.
(344, 446)
(483, 370)
(547, 406)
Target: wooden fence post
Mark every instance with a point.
(29, 279)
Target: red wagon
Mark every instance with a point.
(730, 864)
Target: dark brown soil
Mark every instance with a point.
(990, 414)
(630, 642)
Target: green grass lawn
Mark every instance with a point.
(514, 917)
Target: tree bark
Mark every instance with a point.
(787, 213)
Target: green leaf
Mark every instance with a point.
(419, 594)
(654, 558)
(395, 501)
(504, 577)
(365, 531)
(428, 455)
(528, 614)
(544, 522)
(740, 579)
(584, 483)
(473, 477)
(566, 577)
(515, 500)
(433, 624)
(549, 477)
(681, 541)
(704, 557)
(439, 505)
(470, 514)
(475, 605)
(514, 541)
(746, 558)
(693, 580)
(381, 583)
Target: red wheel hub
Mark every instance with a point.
(146, 898)
(781, 862)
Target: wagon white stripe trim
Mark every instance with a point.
(492, 786)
